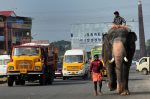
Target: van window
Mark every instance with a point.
(143, 60)
(4, 62)
(74, 58)
(1, 62)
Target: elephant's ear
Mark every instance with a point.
(104, 36)
(132, 36)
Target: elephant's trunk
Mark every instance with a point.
(119, 56)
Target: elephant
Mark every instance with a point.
(117, 53)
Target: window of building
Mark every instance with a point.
(91, 34)
(88, 40)
(91, 40)
(99, 34)
(81, 40)
(87, 34)
(99, 39)
(95, 34)
(95, 40)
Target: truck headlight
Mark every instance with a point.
(37, 68)
(10, 68)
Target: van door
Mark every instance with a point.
(144, 63)
(3, 66)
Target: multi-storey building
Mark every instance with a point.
(14, 30)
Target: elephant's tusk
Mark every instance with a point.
(112, 60)
(125, 59)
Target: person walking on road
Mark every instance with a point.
(95, 68)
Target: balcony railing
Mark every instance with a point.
(21, 26)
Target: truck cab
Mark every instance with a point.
(31, 62)
(143, 65)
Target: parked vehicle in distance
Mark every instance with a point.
(143, 65)
(58, 72)
(75, 64)
(4, 59)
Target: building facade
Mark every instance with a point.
(14, 30)
(87, 36)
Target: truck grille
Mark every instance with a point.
(73, 68)
(24, 64)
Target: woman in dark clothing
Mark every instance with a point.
(95, 69)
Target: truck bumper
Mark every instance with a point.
(37, 73)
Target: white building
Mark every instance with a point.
(86, 36)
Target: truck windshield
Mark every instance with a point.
(74, 58)
(26, 51)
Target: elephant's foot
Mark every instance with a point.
(109, 85)
(124, 93)
(112, 60)
(119, 88)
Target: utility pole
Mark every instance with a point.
(6, 36)
(141, 30)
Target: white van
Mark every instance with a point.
(143, 65)
(75, 64)
(4, 59)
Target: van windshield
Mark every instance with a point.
(4, 61)
(26, 51)
(74, 58)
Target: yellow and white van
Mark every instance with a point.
(4, 59)
(75, 64)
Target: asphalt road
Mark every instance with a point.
(76, 88)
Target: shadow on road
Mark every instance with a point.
(134, 79)
(70, 82)
(140, 93)
(56, 82)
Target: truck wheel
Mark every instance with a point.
(10, 81)
(64, 78)
(17, 82)
(50, 80)
(22, 82)
(144, 71)
(42, 80)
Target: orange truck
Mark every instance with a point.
(32, 61)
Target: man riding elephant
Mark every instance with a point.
(118, 51)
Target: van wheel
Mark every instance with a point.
(22, 82)
(144, 71)
(64, 78)
(17, 82)
(10, 81)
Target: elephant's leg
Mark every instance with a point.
(111, 77)
(125, 80)
(119, 80)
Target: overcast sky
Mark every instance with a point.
(52, 19)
